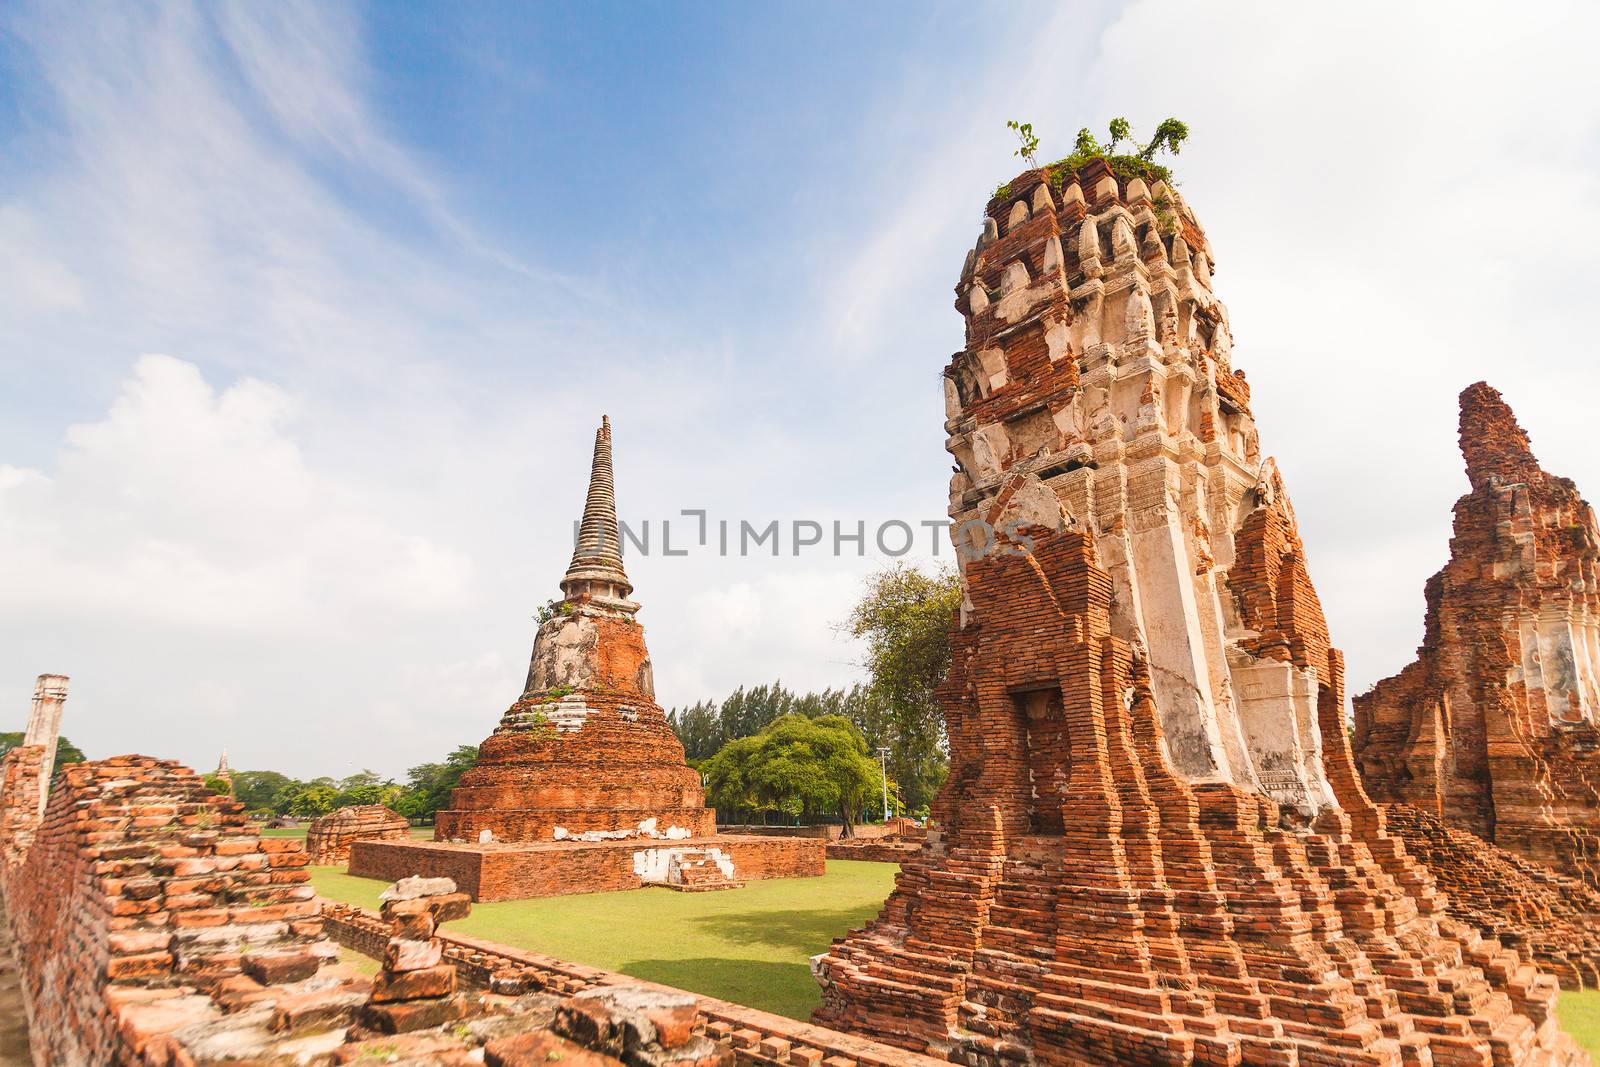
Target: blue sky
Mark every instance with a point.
(307, 313)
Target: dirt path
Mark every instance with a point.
(13, 1021)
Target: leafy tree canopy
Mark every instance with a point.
(806, 768)
(66, 751)
(905, 617)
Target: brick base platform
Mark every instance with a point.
(512, 871)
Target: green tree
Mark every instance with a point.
(905, 617)
(802, 767)
(698, 727)
(218, 785)
(428, 785)
(258, 788)
(313, 800)
(705, 727)
(66, 751)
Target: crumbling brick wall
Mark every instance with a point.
(138, 876)
(21, 778)
(497, 872)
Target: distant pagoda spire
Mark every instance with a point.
(596, 572)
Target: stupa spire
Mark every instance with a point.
(596, 571)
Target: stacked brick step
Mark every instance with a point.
(1549, 917)
(416, 990)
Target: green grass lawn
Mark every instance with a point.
(1580, 1016)
(749, 945)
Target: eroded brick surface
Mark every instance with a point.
(1153, 844)
(329, 837)
(138, 894)
(1493, 727)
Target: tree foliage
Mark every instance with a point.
(805, 768)
(1170, 135)
(705, 727)
(426, 790)
(428, 785)
(66, 751)
(905, 617)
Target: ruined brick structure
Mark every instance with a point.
(153, 927)
(329, 837)
(583, 786)
(1154, 845)
(1523, 904)
(1494, 726)
(138, 895)
(586, 748)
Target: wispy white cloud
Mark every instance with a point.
(192, 507)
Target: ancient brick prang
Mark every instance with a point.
(586, 751)
(1154, 845)
(1494, 726)
(329, 837)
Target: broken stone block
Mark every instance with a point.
(278, 968)
(402, 954)
(439, 981)
(541, 1048)
(417, 886)
(405, 1016)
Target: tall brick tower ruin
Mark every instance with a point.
(1155, 848)
(586, 748)
(1494, 726)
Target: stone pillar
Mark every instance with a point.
(44, 727)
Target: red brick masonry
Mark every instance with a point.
(328, 838)
(756, 1036)
(1496, 725)
(1109, 885)
(518, 871)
